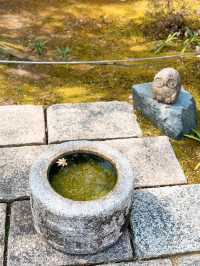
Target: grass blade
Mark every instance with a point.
(192, 137)
(197, 133)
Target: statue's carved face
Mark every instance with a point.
(168, 77)
(167, 85)
(169, 82)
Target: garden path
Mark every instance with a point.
(164, 223)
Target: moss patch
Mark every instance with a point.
(102, 29)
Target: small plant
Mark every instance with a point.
(63, 52)
(39, 46)
(194, 136)
(19, 91)
(166, 43)
(192, 40)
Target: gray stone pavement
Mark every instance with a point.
(189, 260)
(15, 165)
(2, 231)
(159, 262)
(22, 125)
(92, 121)
(143, 153)
(164, 219)
(25, 247)
(154, 160)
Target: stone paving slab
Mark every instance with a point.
(161, 262)
(26, 248)
(15, 165)
(2, 231)
(154, 158)
(165, 221)
(91, 121)
(189, 260)
(21, 125)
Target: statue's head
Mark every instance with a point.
(167, 85)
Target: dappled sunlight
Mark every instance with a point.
(13, 22)
(76, 94)
(121, 10)
(126, 10)
(92, 30)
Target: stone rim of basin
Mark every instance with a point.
(71, 226)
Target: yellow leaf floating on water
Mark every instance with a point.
(62, 162)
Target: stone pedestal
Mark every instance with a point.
(174, 120)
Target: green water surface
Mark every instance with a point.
(86, 177)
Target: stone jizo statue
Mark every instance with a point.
(167, 86)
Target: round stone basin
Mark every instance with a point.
(81, 194)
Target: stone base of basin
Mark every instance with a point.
(81, 227)
(174, 119)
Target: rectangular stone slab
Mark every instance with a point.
(91, 121)
(189, 260)
(2, 231)
(15, 165)
(26, 248)
(153, 159)
(161, 262)
(165, 221)
(21, 125)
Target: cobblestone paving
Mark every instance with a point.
(165, 217)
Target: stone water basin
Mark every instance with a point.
(81, 217)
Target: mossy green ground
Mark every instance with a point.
(86, 177)
(102, 29)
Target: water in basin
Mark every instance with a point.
(82, 177)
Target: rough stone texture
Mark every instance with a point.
(175, 120)
(154, 160)
(81, 227)
(161, 262)
(21, 125)
(26, 248)
(89, 121)
(165, 221)
(15, 164)
(2, 231)
(167, 85)
(190, 260)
